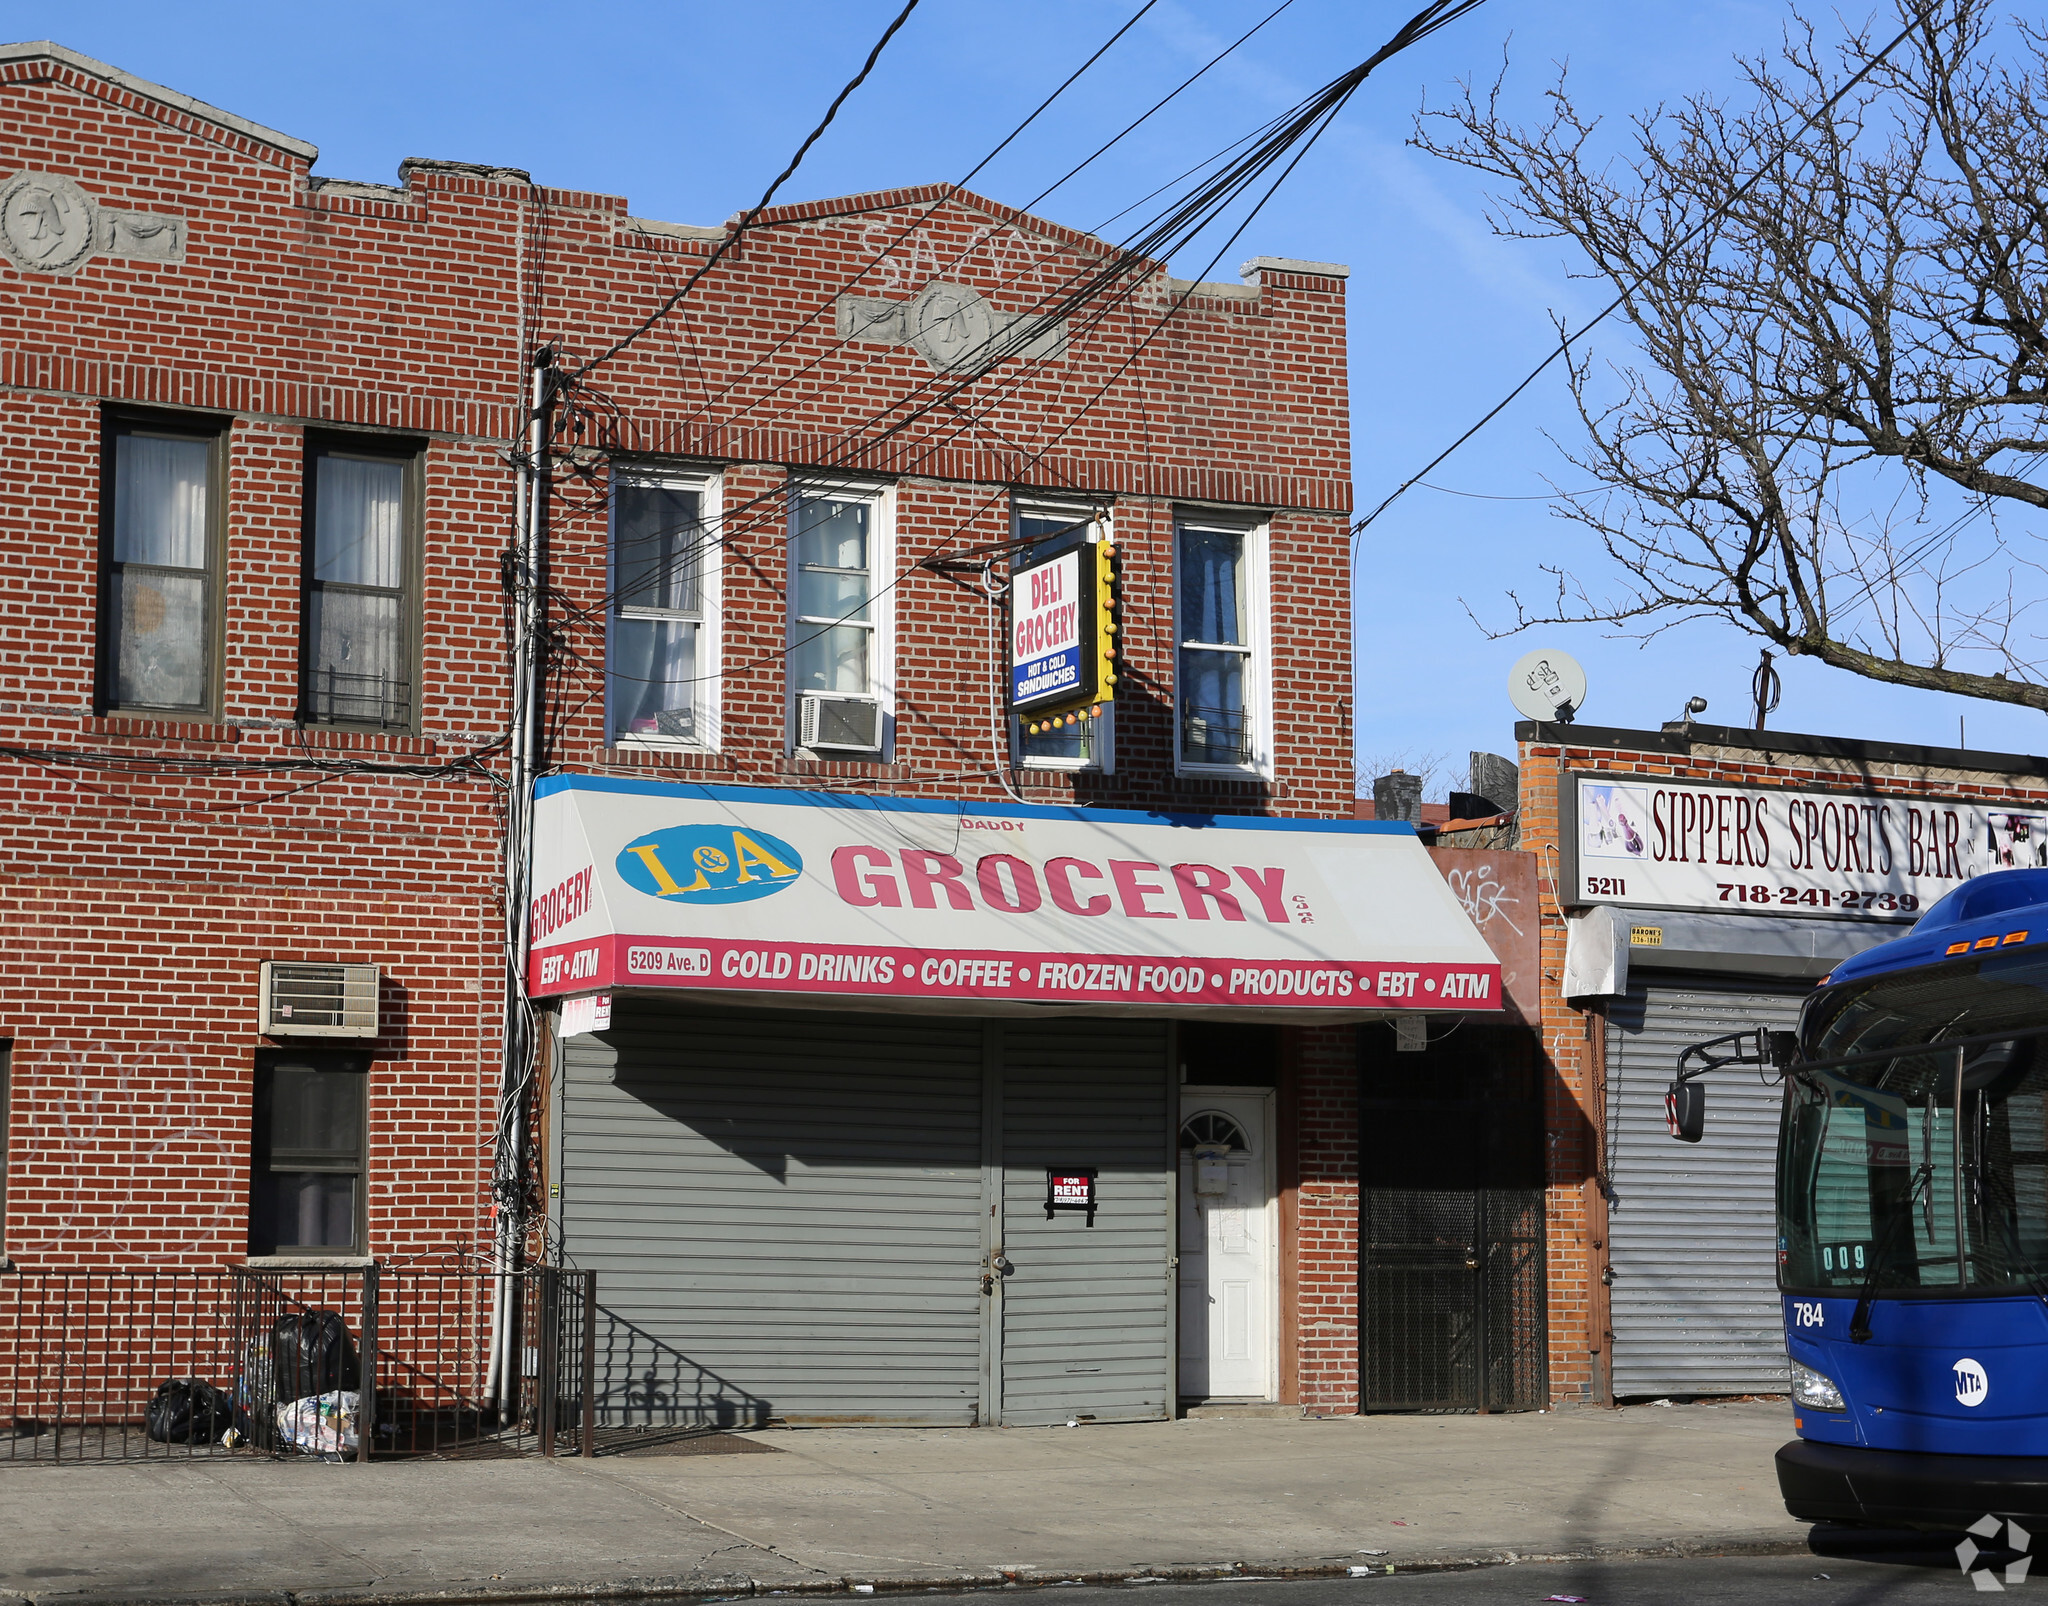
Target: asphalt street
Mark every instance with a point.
(1905, 1569)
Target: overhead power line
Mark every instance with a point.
(1564, 345)
(1184, 221)
(1285, 138)
(760, 206)
(953, 189)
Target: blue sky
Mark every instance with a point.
(687, 110)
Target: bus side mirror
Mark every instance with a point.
(1685, 1111)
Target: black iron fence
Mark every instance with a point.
(436, 1357)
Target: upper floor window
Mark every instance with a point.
(1083, 744)
(359, 662)
(837, 675)
(1219, 606)
(159, 609)
(660, 654)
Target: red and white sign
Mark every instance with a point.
(922, 905)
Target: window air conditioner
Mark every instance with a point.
(830, 722)
(297, 1000)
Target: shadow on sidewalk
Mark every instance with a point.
(648, 1392)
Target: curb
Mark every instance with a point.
(699, 1587)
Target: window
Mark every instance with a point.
(306, 1155)
(1086, 744)
(159, 605)
(357, 656)
(660, 652)
(835, 659)
(1218, 691)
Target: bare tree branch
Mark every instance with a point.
(1841, 375)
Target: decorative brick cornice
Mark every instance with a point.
(202, 391)
(924, 195)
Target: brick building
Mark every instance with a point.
(1700, 880)
(256, 715)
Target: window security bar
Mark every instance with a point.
(1215, 735)
(361, 699)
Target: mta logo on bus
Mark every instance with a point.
(1972, 1386)
(709, 864)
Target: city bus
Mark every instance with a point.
(1912, 1216)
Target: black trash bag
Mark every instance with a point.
(188, 1410)
(311, 1352)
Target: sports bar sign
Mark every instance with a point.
(1672, 844)
(746, 890)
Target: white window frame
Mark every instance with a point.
(710, 488)
(1256, 528)
(881, 500)
(1102, 527)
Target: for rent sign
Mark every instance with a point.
(1670, 844)
(741, 890)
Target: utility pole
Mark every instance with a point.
(526, 571)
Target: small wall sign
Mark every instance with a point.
(1070, 1188)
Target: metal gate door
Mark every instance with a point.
(1086, 1318)
(804, 1215)
(784, 1212)
(1451, 1276)
(1690, 1232)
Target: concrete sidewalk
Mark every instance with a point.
(833, 1508)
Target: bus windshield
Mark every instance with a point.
(1936, 1004)
(1882, 1187)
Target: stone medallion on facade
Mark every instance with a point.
(952, 327)
(49, 225)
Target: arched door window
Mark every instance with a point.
(1213, 1126)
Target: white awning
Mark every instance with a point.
(974, 908)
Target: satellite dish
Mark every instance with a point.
(1547, 686)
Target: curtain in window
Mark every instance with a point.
(657, 556)
(358, 647)
(359, 523)
(654, 673)
(830, 658)
(832, 535)
(1214, 727)
(1212, 586)
(355, 611)
(833, 583)
(160, 501)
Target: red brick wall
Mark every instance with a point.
(1320, 1115)
(143, 899)
(1571, 1041)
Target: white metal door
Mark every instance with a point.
(1227, 1271)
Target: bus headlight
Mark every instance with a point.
(1815, 1390)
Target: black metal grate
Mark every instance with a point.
(1452, 1303)
(82, 1355)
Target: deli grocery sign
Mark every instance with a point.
(1641, 839)
(744, 890)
